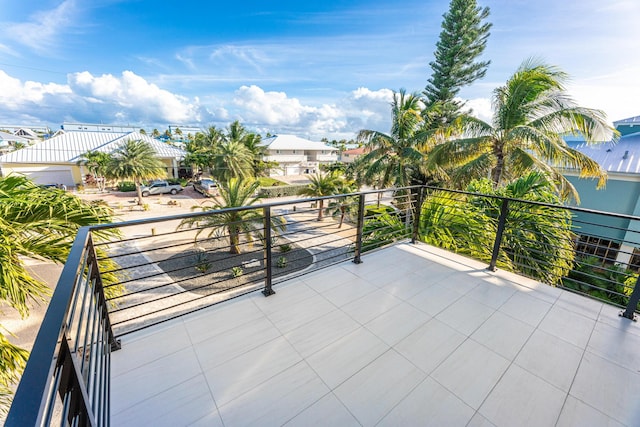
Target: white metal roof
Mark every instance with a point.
(622, 157)
(292, 142)
(5, 136)
(70, 146)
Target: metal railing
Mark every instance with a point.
(170, 266)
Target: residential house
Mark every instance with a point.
(55, 160)
(351, 155)
(621, 195)
(9, 141)
(296, 156)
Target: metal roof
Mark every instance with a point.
(70, 146)
(292, 142)
(630, 121)
(622, 156)
(5, 136)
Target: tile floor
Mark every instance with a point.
(412, 336)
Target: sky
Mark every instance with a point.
(313, 69)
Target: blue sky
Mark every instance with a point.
(315, 69)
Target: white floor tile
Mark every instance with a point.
(579, 304)
(524, 307)
(465, 315)
(609, 388)
(395, 324)
(347, 292)
(571, 327)
(479, 421)
(319, 333)
(492, 294)
(430, 344)
(297, 314)
(524, 400)
(503, 334)
(406, 286)
(370, 306)
(550, 358)
(429, 405)
(247, 371)
(434, 299)
(221, 318)
(342, 359)
(150, 379)
(326, 279)
(471, 372)
(223, 347)
(576, 413)
(328, 411)
(275, 401)
(155, 343)
(616, 345)
(285, 296)
(181, 405)
(377, 388)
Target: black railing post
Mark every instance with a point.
(504, 210)
(268, 290)
(629, 313)
(416, 215)
(358, 252)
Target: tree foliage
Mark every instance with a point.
(532, 112)
(38, 223)
(136, 160)
(322, 185)
(462, 40)
(248, 223)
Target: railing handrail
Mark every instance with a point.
(36, 377)
(32, 392)
(256, 206)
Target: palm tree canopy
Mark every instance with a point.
(532, 112)
(232, 159)
(322, 185)
(136, 160)
(392, 158)
(234, 193)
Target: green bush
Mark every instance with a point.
(126, 186)
(174, 181)
(280, 191)
(282, 262)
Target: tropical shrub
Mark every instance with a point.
(126, 186)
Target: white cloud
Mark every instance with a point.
(43, 28)
(136, 98)
(272, 108)
(480, 108)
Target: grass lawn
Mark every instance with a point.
(266, 181)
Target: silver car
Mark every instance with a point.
(206, 186)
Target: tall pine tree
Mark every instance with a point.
(462, 40)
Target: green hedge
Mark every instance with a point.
(126, 186)
(280, 191)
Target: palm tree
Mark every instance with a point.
(234, 193)
(231, 159)
(321, 185)
(40, 224)
(98, 164)
(136, 160)
(532, 112)
(392, 158)
(346, 205)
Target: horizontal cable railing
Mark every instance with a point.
(163, 268)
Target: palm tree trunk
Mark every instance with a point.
(496, 172)
(234, 241)
(321, 208)
(343, 210)
(139, 191)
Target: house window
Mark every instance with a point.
(605, 250)
(277, 151)
(294, 151)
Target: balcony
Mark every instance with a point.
(408, 334)
(286, 158)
